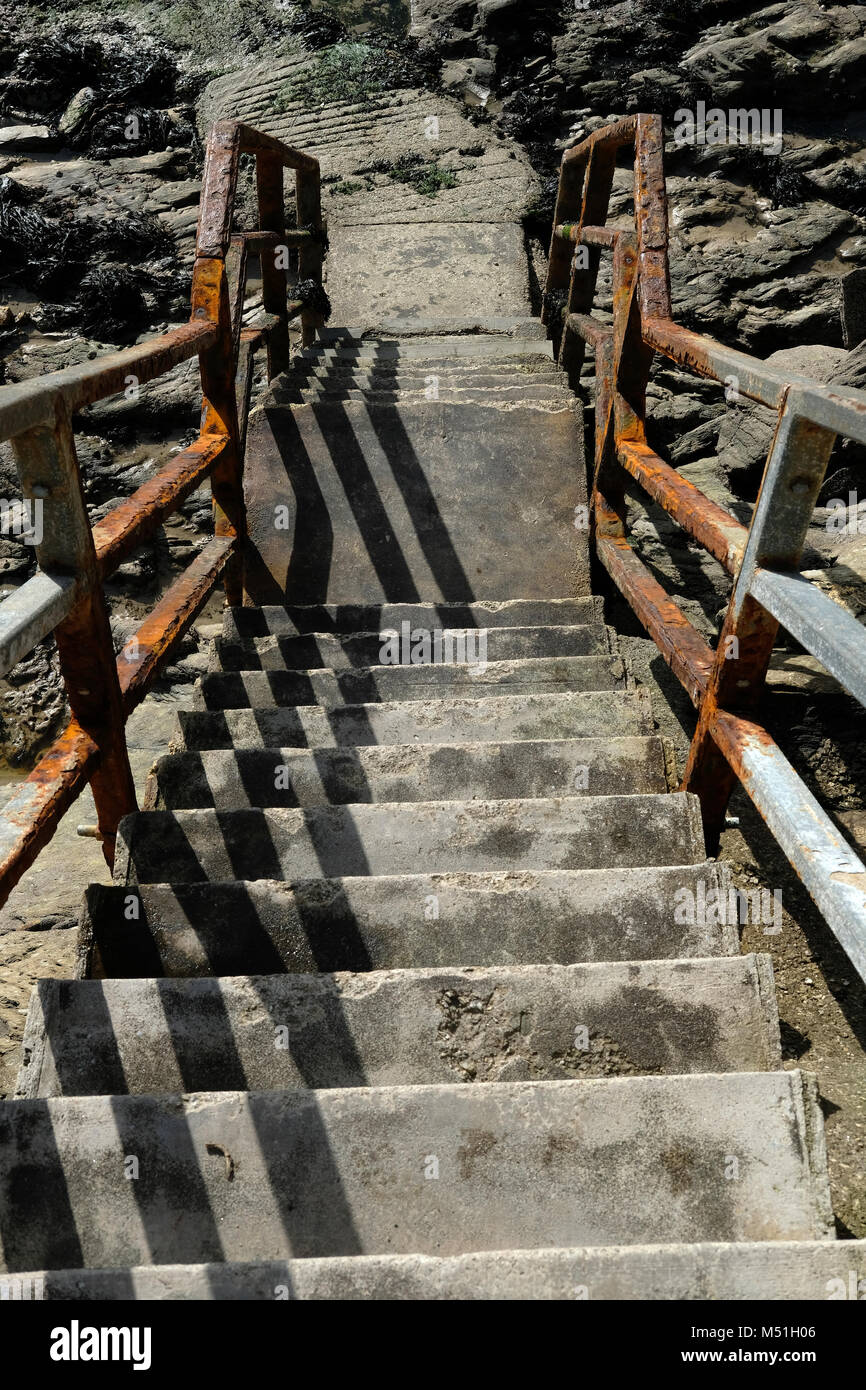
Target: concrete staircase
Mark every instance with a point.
(397, 993)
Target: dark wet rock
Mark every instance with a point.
(853, 307)
(746, 430)
(32, 705)
(758, 241)
(14, 139)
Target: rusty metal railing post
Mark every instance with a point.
(621, 372)
(308, 193)
(582, 280)
(651, 217)
(569, 200)
(632, 357)
(793, 474)
(217, 363)
(50, 477)
(272, 218)
(219, 416)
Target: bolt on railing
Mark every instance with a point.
(66, 595)
(729, 743)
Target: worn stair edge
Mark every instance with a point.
(548, 399)
(407, 920)
(441, 333)
(237, 778)
(420, 326)
(613, 714)
(498, 374)
(271, 620)
(757, 1271)
(495, 374)
(471, 348)
(633, 1160)
(424, 384)
(390, 837)
(357, 686)
(399, 1027)
(405, 646)
(500, 366)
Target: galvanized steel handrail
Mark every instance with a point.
(768, 591)
(66, 596)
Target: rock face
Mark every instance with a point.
(741, 220)
(408, 183)
(99, 189)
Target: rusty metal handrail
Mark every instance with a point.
(725, 684)
(66, 595)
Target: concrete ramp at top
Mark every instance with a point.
(440, 236)
(361, 488)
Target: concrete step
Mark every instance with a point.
(411, 1170)
(424, 388)
(359, 502)
(604, 714)
(472, 346)
(399, 1027)
(224, 690)
(388, 374)
(421, 837)
(520, 363)
(408, 646)
(240, 624)
(441, 343)
(532, 397)
(409, 772)
(523, 403)
(758, 1271)
(444, 331)
(401, 921)
(396, 837)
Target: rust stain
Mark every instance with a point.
(126, 526)
(718, 530)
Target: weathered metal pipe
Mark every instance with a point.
(66, 597)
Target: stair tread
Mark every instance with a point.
(440, 329)
(429, 385)
(545, 399)
(493, 374)
(291, 620)
(409, 772)
(265, 926)
(363, 684)
(391, 501)
(400, 1027)
(614, 714)
(395, 837)
(397, 647)
(333, 1172)
(472, 348)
